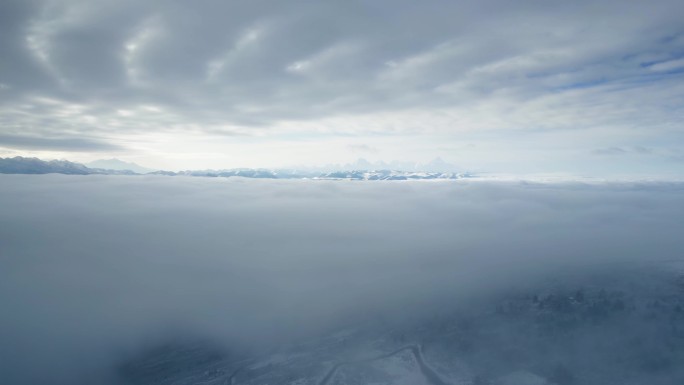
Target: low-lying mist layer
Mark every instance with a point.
(95, 268)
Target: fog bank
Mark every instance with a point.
(94, 267)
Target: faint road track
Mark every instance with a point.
(432, 377)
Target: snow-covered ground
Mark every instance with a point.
(624, 326)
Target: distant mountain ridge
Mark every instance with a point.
(21, 165)
(296, 174)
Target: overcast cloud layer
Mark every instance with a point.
(91, 267)
(525, 86)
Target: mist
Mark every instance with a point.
(95, 268)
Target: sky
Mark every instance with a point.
(579, 87)
(96, 267)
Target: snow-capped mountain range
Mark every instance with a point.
(361, 170)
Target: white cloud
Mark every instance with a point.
(150, 30)
(669, 65)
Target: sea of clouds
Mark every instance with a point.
(94, 267)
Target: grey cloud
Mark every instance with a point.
(93, 267)
(19, 69)
(263, 62)
(623, 150)
(362, 148)
(665, 152)
(610, 151)
(59, 144)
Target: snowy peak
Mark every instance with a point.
(389, 175)
(19, 165)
